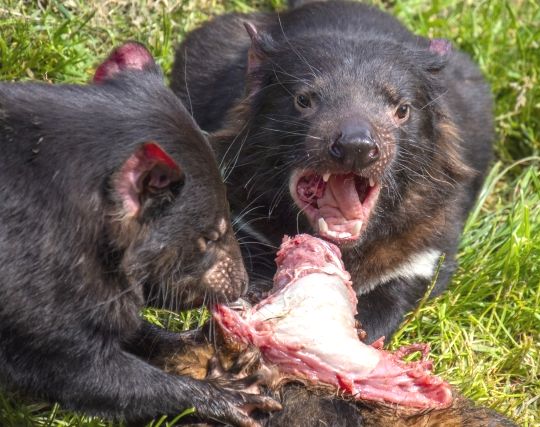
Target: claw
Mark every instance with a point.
(263, 403)
(233, 407)
(240, 385)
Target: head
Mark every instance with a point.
(168, 217)
(353, 132)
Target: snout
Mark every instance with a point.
(226, 279)
(339, 194)
(354, 148)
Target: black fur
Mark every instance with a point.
(356, 60)
(75, 270)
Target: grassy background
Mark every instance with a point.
(485, 332)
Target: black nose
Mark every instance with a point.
(354, 147)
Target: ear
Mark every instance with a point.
(441, 47)
(432, 58)
(256, 51)
(147, 171)
(437, 55)
(261, 46)
(129, 56)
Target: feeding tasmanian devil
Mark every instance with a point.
(305, 332)
(111, 199)
(334, 119)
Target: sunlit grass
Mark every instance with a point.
(485, 331)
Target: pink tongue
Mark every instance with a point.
(340, 199)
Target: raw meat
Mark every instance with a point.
(306, 327)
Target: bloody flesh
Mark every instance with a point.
(306, 327)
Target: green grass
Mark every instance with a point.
(484, 332)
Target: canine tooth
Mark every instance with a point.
(371, 182)
(326, 176)
(357, 228)
(323, 226)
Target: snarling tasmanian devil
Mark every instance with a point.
(334, 119)
(111, 199)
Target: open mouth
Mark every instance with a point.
(337, 206)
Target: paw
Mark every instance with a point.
(238, 389)
(234, 407)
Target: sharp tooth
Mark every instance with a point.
(333, 234)
(357, 228)
(326, 176)
(371, 182)
(323, 226)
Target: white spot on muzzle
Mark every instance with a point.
(218, 278)
(222, 226)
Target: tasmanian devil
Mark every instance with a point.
(111, 199)
(332, 118)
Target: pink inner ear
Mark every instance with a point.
(440, 46)
(131, 55)
(158, 178)
(255, 53)
(149, 168)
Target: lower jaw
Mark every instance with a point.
(353, 235)
(339, 238)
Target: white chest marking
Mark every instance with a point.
(420, 265)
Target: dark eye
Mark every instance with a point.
(303, 101)
(403, 111)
